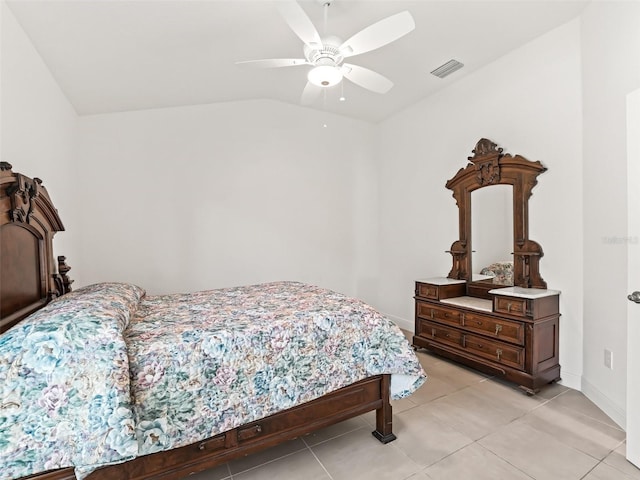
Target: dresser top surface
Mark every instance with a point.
(521, 292)
(474, 303)
(441, 281)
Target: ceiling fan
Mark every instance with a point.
(326, 54)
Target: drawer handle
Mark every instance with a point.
(498, 329)
(250, 432)
(509, 307)
(499, 353)
(432, 314)
(215, 443)
(433, 333)
(478, 322)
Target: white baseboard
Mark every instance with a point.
(570, 380)
(604, 403)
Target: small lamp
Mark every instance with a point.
(325, 76)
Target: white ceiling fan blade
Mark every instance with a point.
(299, 22)
(366, 78)
(273, 63)
(310, 93)
(379, 34)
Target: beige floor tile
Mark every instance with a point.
(508, 397)
(576, 430)
(474, 413)
(435, 387)
(296, 466)
(546, 392)
(551, 390)
(538, 454)
(575, 400)
(419, 476)
(336, 430)
(474, 462)
(425, 438)
(404, 404)
(273, 453)
(359, 456)
(454, 374)
(370, 418)
(605, 472)
(617, 459)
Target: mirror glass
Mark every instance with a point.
(492, 234)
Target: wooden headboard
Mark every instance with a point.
(29, 275)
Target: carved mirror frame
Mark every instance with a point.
(489, 166)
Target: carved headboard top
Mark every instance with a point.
(29, 275)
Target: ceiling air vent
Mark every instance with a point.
(447, 68)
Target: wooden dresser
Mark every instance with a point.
(493, 315)
(512, 334)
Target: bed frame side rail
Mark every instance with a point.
(348, 402)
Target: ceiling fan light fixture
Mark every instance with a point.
(325, 76)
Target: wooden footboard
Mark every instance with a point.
(364, 396)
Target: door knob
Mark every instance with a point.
(634, 297)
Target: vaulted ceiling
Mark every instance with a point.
(119, 55)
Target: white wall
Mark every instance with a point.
(218, 195)
(529, 102)
(611, 70)
(38, 125)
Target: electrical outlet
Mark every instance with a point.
(608, 358)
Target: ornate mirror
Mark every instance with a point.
(492, 234)
(487, 235)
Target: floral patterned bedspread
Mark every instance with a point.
(105, 374)
(64, 384)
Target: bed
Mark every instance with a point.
(108, 382)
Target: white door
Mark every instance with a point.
(633, 276)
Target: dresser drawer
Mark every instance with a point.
(500, 352)
(427, 290)
(498, 328)
(511, 306)
(440, 333)
(434, 291)
(440, 314)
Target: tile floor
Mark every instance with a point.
(460, 425)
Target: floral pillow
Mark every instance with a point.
(113, 299)
(64, 383)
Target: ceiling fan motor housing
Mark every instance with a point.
(326, 54)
